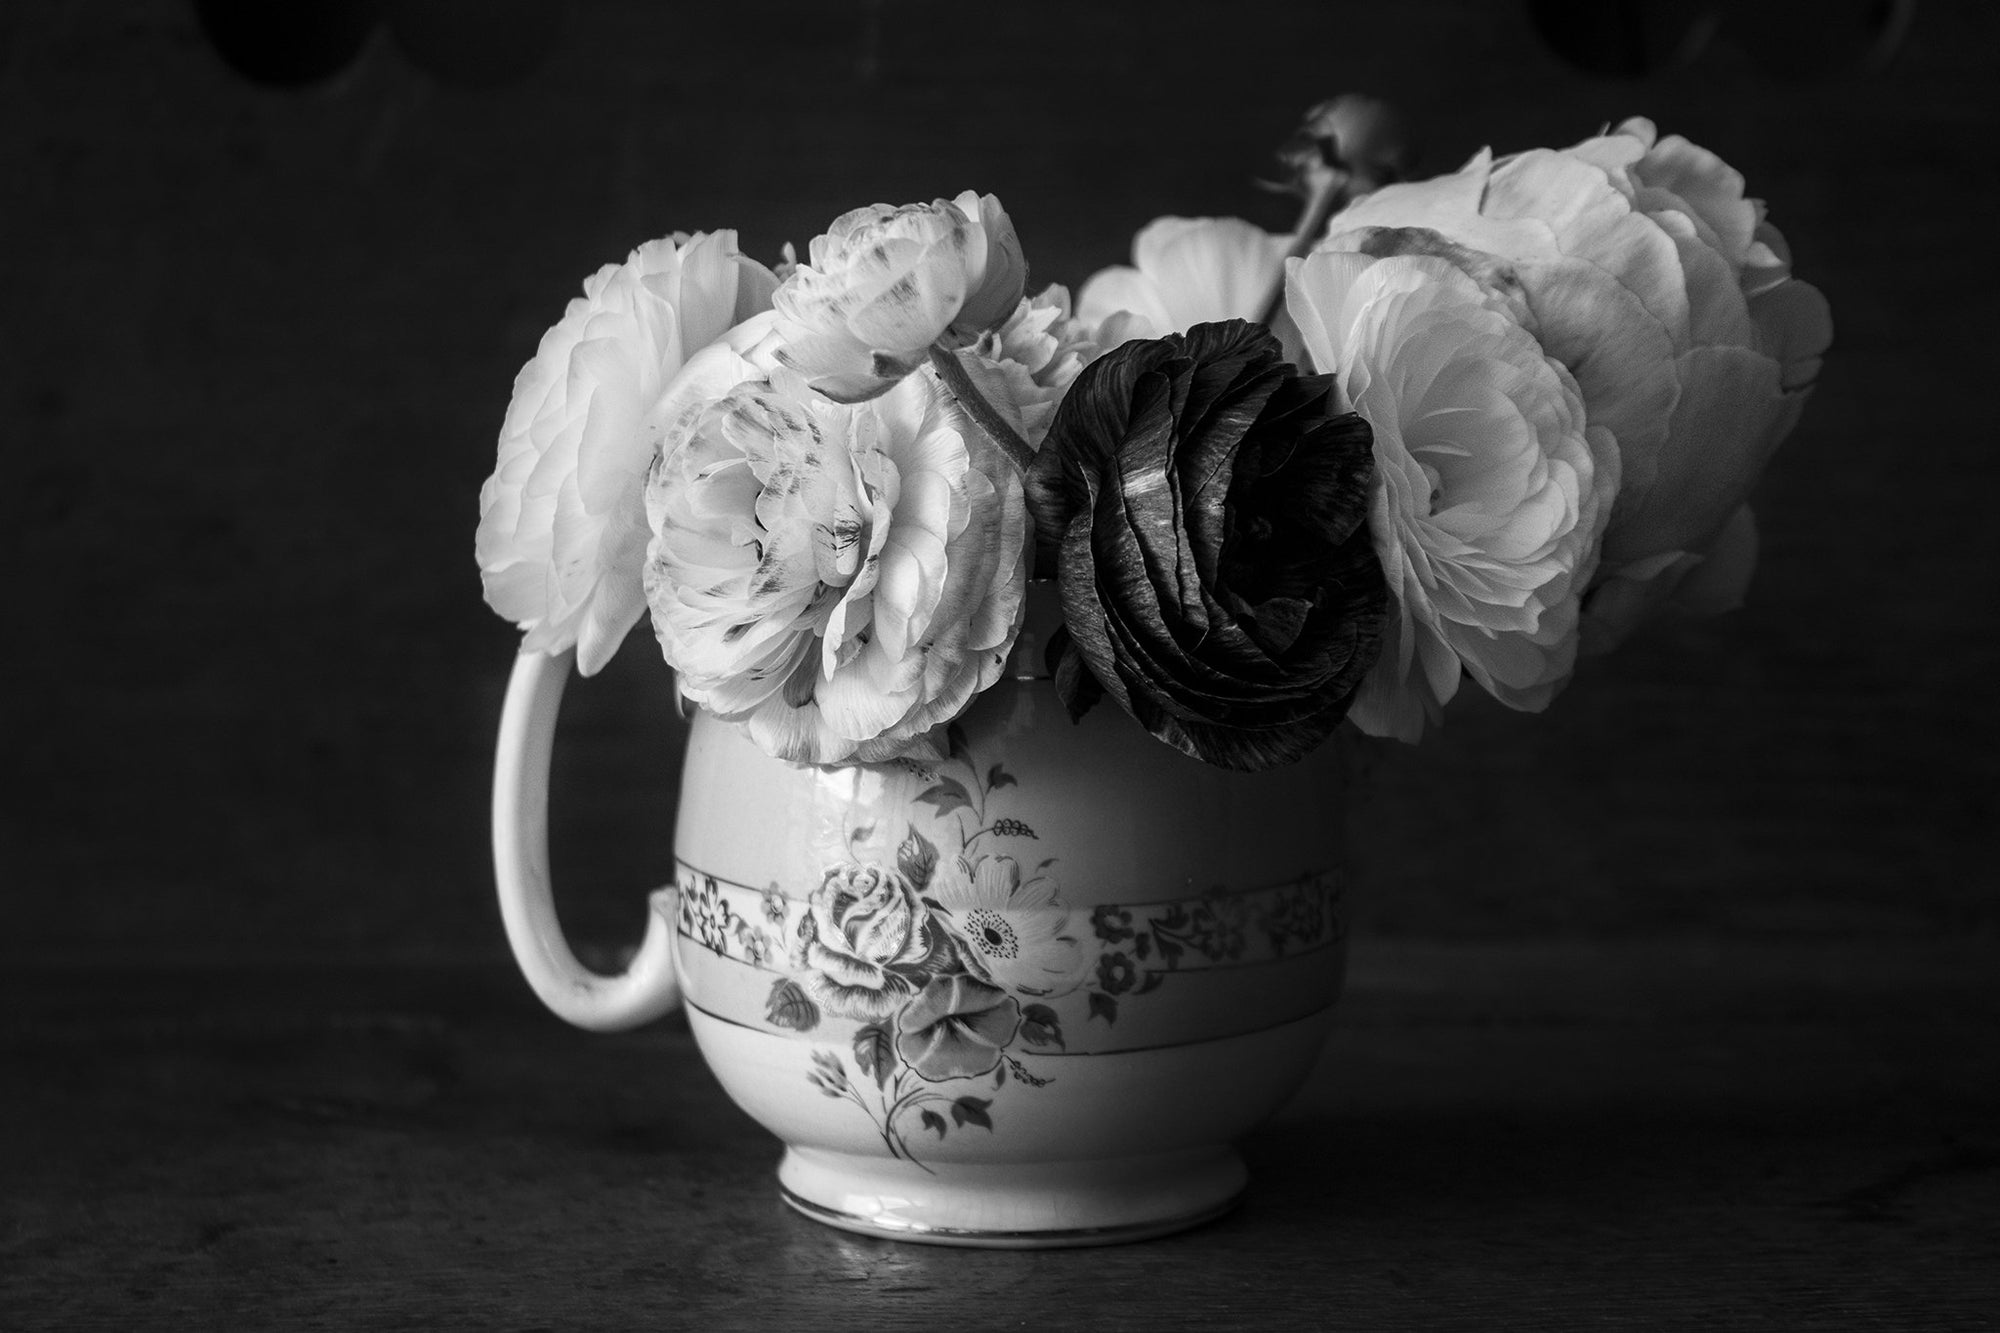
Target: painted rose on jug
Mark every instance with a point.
(865, 943)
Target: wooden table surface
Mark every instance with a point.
(1537, 1137)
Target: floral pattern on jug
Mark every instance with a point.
(1140, 946)
(943, 958)
(948, 960)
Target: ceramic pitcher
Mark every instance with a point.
(1025, 993)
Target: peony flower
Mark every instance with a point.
(1639, 263)
(562, 520)
(865, 942)
(1186, 271)
(1009, 934)
(884, 284)
(1491, 496)
(956, 1028)
(841, 579)
(1207, 510)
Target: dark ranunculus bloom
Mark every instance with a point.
(1206, 508)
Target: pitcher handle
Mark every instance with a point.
(647, 988)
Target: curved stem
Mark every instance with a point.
(901, 1101)
(1329, 192)
(960, 386)
(893, 1136)
(977, 835)
(882, 1127)
(886, 1127)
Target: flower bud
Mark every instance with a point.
(1362, 137)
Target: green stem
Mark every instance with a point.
(960, 386)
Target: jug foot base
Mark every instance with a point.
(1033, 1205)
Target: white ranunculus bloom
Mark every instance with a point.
(841, 579)
(886, 283)
(1491, 490)
(1642, 266)
(1027, 363)
(562, 520)
(1184, 272)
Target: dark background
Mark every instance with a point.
(259, 330)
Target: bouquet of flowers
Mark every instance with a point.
(1463, 428)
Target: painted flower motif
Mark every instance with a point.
(1112, 924)
(840, 579)
(828, 1074)
(886, 283)
(1184, 272)
(1009, 934)
(1491, 493)
(1116, 973)
(956, 1027)
(705, 915)
(865, 942)
(562, 520)
(776, 906)
(1218, 926)
(754, 943)
(1298, 917)
(1640, 264)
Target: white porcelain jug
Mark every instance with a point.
(1024, 995)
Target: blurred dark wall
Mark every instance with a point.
(259, 337)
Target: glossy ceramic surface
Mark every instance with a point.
(1023, 994)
